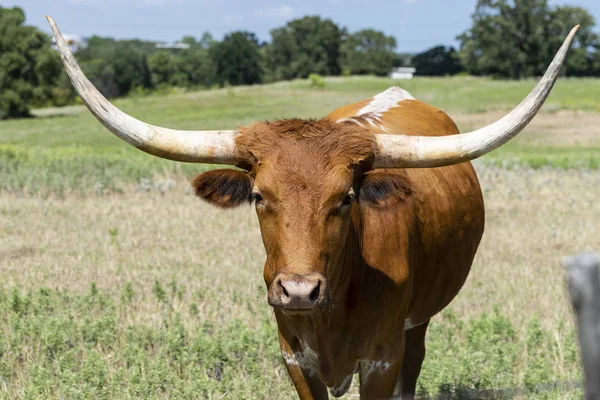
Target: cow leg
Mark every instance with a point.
(378, 378)
(414, 354)
(303, 374)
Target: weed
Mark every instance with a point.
(65, 349)
(316, 81)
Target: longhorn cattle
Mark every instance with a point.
(370, 218)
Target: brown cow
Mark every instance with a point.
(361, 252)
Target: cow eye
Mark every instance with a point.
(257, 198)
(343, 205)
(347, 200)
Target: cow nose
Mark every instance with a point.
(298, 292)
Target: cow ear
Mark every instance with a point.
(224, 188)
(383, 189)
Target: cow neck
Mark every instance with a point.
(330, 333)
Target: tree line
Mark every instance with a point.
(508, 39)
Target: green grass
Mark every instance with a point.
(56, 344)
(486, 354)
(73, 151)
(230, 108)
(81, 169)
(60, 345)
(474, 94)
(512, 155)
(68, 344)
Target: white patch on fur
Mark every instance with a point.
(306, 359)
(369, 366)
(384, 101)
(339, 121)
(409, 324)
(340, 391)
(380, 104)
(289, 358)
(398, 389)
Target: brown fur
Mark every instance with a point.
(399, 253)
(344, 143)
(224, 188)
(380, 188)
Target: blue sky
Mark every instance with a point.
(416, 24)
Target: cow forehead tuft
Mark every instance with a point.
(315, 140)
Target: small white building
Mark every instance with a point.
(176, 45)
(403, 73)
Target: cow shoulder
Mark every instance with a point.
(396, 111)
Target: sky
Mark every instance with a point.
(416, 24)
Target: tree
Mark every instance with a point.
(584, 54)
(207, 41)
(29, 68)
(506, 39)
(518, 38)
(437, 61)
(130, 66)
(197, 66)
(595, 62)
(195, 63)
(237, 59)
(116, 67)
(165, 70)
(184, 68)
(369, 52)
(305, 46)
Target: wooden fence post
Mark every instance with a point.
(584, 288)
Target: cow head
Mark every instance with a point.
(305, 177)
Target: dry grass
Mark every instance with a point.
(533, 220)
(565, 128)
(139, 237)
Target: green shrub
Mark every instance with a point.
(75, 347)
(56, 344)
(316, 81)
(484, 354)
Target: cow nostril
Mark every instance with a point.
(314, 295)
(284, 290)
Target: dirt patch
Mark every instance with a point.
(559, 129)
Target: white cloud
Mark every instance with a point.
(159, 3)
(136, 3)
(232, 19)
(367, 1)
(281, 12)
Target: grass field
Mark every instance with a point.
(67, 148)
(118, 283)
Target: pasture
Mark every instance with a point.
(118, 283)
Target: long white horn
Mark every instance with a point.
(211, 147)
(401, 151)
